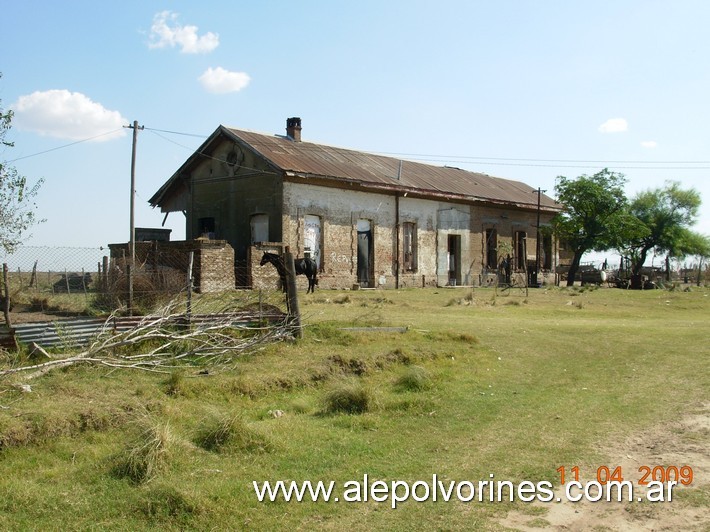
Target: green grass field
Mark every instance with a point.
(477, 385)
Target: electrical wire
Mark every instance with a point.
(65, 145)
(438, 158)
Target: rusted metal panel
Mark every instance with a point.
(80, 331)
(328, 162)
(339, 167)
(76, 331)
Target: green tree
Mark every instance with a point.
(594, 214)
(17, 207)
(664, 216)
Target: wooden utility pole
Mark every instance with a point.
(294, 313)
(537, 238)
(132, 239)
(135, 127)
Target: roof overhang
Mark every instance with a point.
(395, 189)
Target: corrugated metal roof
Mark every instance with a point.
(318, 160)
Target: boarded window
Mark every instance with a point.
(491, 248)
(259, 228)
(409, 242)
(520, 251)
(312, 239)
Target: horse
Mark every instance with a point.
(308, 267)
(304, 266)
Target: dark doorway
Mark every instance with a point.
(454, 252)
(364, 253)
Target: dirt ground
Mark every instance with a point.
(21, 316)
(683, 442)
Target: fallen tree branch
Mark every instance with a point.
(166, 341)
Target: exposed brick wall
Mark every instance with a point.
(263, 277)
(340, 210)
(212, 268)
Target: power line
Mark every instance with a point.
(460, 159)
(65, 145)
(544, 160)
(532, 165)
(176, 132)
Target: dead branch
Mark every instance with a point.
(167, 340)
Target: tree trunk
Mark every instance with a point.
(700, 270)
(572, 274)
(636, 279)
(637, 264)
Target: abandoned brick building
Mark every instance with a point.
(367, 220)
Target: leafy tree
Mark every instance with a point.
(664, 216)
(17, 208)
(594, 215)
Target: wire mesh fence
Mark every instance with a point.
(49, 282)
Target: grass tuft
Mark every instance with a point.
(348, 396)
(167, 502)
(227, 433)
(148, 455)
(414, 379)
(175, 384)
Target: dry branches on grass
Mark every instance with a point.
(171, 339)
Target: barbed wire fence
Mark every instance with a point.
(47, 283)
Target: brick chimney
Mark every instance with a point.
(293, 128)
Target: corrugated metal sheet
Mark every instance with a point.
(318, 160)
(77, 331)
(80, 331)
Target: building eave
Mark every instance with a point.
(412, 192)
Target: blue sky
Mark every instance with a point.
(526, 90)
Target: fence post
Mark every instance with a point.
(189, 286)
(261, 308)
(33, 279)
(129, 272)
(6, 299)
(294, 312)
(104, 278)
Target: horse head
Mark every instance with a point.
(268, 257)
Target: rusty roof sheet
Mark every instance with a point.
(318, 160)
(307, 159)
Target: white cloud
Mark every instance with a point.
(614, 125)
(67, 115)
(650, 144)
(166, 33)
(220, 81)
